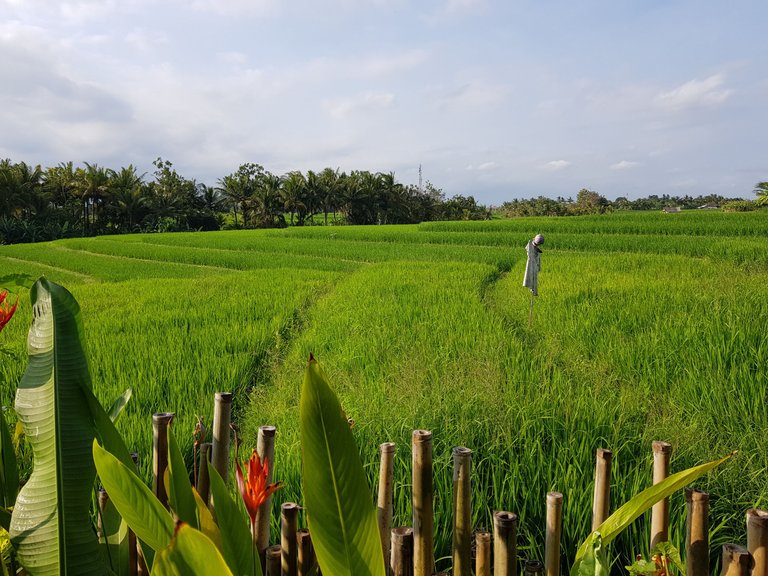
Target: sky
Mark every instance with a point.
(496, 99)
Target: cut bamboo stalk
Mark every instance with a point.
(103, 498)
(505, 544)
(601, 503)
(222, 413)
(160, 423)
(274, 560)
(697, 532)
(401, 552)
(757, 540)
(483, 553)
(386, 483)
(533, 567)
(306, 559)
(203, 481)
(462, 512)
(554, 529)
(737, 561)
(289, 526)
(660, 510)
(265, 448)
(423, 520)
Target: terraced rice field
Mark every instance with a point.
(647, 327)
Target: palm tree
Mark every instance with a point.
(329, 185)
(267, 200)
(92, 187)
(128, 197)
(761, 189)
(292, 193)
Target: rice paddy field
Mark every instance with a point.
(649, 326)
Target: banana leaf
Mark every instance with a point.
(341, 514)
(50, 525)
(190, 553)
(181, 498)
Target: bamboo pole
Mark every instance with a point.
(660, 510)
(757, 540)
(386, 487)
(533, 567)
(222, 413)
(554, 529)
(306, 559)
(203, 481)
(102, 498)
(505, 544)
(462, 512)
(601, 502)
(697, 532)
(483, 553)
(401, 552)
(289, 526)
(160, 423)
(737, 561)
(274, 560)
(423, 520)
(265, 448)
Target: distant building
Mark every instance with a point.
(709, 206)
(671, 209)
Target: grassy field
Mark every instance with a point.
(647, 327)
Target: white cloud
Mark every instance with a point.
(695, 93)
(369, 101)
(556, 165)
(474, 94)
(624, 165)
(483, 167)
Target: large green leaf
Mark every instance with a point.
(641, 502)
(141, 509)
(236, 537)
(342, 516)
(114, 539)
(51, 527)
(190, 553)
(9, 469)
(180, 495)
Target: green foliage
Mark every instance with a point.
(190, 553)
(631, 510)
(9, 470)
(342, 516)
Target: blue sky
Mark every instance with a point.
(498, 99)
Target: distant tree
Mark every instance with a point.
(589, 202)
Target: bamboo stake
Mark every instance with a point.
(274, 560)
(265, 448)
(757, 540)
(601, 503)
(289, 525)
(554, 529)
(160, 423)
(505, 544)
(103, 498)
(462, 512)
(533, 567)
(697, 532)
(386, 482)
(203, 481)
(423, 520)
(222, 414)
(306, 559)
(660, 510)
(401, 553)
(483, 553)
(737, 561)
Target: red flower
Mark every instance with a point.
(6, 311)
(255, 489)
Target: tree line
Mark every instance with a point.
(62, 201)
